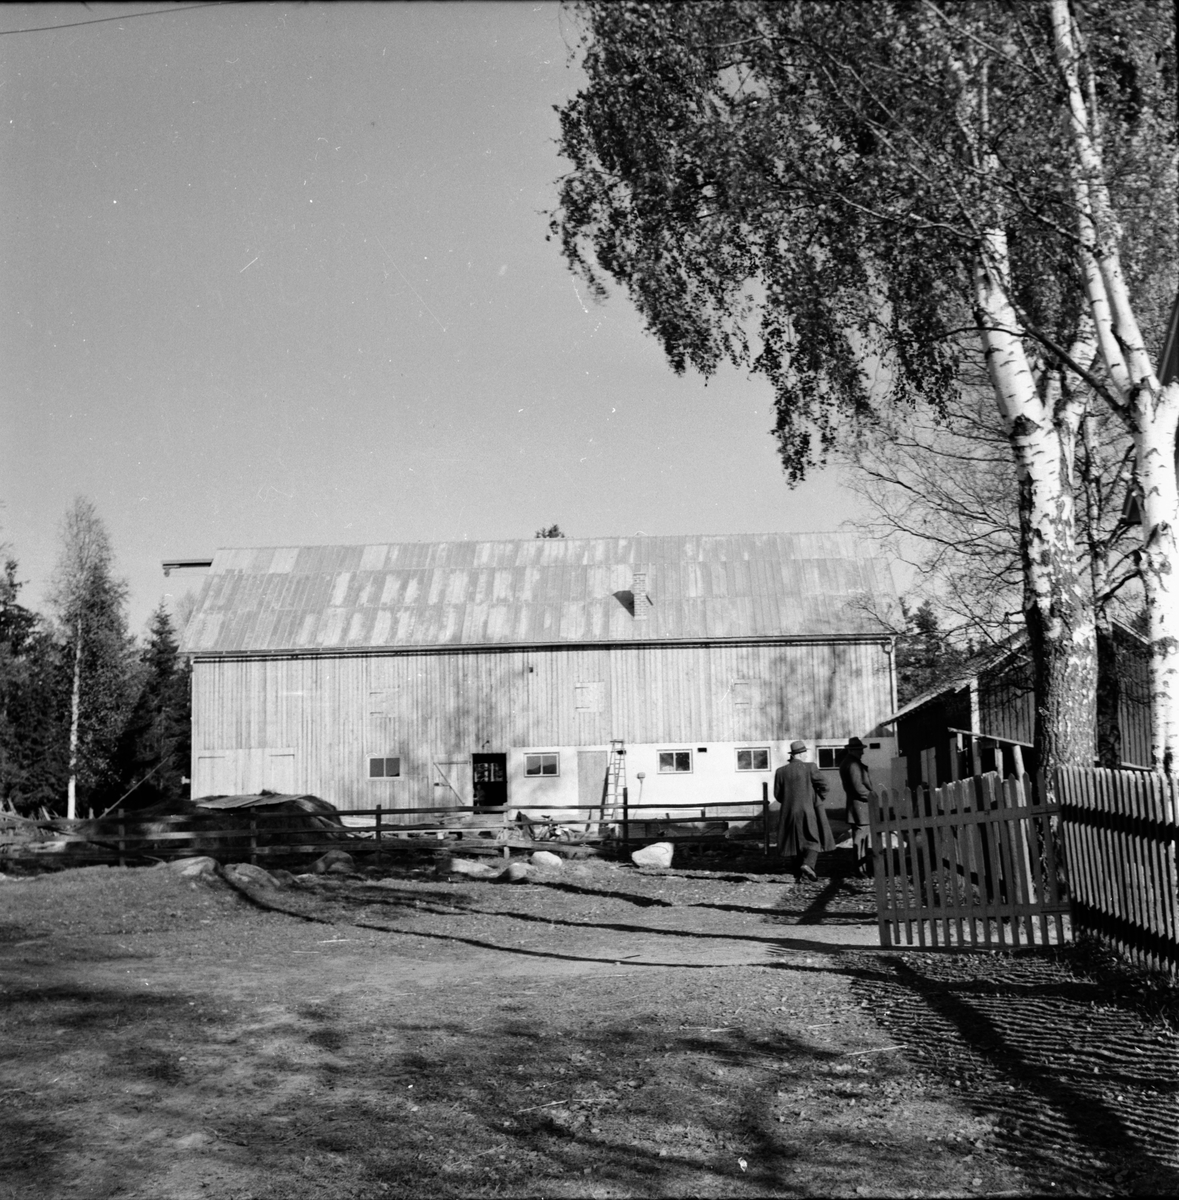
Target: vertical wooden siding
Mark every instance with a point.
(426, 708)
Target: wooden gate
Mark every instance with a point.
(971, 864)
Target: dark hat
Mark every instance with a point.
(797, 747)
(854, 744)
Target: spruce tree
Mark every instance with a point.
(152, 758)
(33, 717)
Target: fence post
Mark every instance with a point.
(765, 818)
(377, 836)
(122, 830)
(626, 820)
(253, 835)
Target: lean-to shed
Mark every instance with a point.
(984, 720)
(499, 672)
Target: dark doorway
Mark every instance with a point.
(490, 780)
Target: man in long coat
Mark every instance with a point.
(859, 793)
(803, 830)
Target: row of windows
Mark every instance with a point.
(671, 762)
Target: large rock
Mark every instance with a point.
(547, 861)
(190, 868)
(249, 873)
(516, 872)
(333, 859)
(452, 865)
(658, 854)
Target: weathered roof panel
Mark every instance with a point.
(571, 590)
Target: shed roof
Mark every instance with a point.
(538, 591)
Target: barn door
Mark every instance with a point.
(213, 774)
(452, 782)
(279, 771)
(591, 776)
(489, 774)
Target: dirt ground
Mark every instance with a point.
(599, 1031)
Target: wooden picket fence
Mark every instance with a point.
(1121, 840)
(971, 864)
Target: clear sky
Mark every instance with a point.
(277, 275)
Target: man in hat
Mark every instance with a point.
(803, 830)
(857, 790)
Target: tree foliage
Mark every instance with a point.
(851, 201)
(925, 657)
(151, 760)
(550, 531)
(805, 189)
(33, 712)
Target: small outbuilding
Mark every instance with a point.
(984, 720)
(499, 673)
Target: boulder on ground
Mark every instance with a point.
(332, 859)
(658, 854)
(515, 872)
(249, 873)
(547, 861)
(450, 864)
(282, 878)
(190, 868)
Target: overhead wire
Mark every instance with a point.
(155, 12)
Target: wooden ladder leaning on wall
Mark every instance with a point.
(614, 783)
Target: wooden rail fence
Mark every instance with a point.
(253, 834)
(972, 863)
(1121, 834)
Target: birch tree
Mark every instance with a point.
(940, 495)
(89, 603)
(853, 200)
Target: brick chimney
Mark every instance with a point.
(638, 590)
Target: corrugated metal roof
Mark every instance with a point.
(557, 590)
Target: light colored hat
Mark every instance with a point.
(797, 747)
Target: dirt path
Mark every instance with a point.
(600, 1032)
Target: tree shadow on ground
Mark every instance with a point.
(334, 1100)
(1080, 1077)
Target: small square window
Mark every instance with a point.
(542, 764)
(756, 759)
(675, 761)
(827, 758)
(384, 768)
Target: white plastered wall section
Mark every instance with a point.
(714, 777)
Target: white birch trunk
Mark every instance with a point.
(1151, 411)
(1155, 421)
(75, 708)
(1057, 606)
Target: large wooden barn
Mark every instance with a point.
(499, 672)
